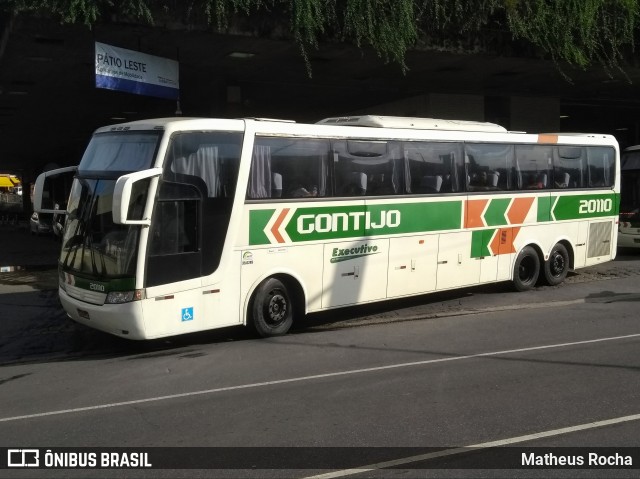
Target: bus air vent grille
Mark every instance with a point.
(599, 239)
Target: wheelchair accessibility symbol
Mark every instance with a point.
(187, 314)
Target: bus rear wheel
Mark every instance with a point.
(557, 266)
(272, 308)
(526, 269)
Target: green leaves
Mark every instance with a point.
(387, 26)
(87, 12)
(579, 32)
(576, 32)
(67, 11)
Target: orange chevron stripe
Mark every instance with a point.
(276, 226)
(494, 246)
(519, 209)
(507, 247)
(502, 242)
(473, 215)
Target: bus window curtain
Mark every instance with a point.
(204, 163)
(407, 172)
(395, 170)
(260, 176)
(455, 184)
(323, 174)
(605, 167)
(210, 166)
(395, 176)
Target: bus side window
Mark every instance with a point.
(289, 168)
(432, 167)
(489, 166)
(174, 244)
(372, 168)
(569, 160)
(175, 230)
(533, 166)
(431, 184)
(355, 184)
(276, 185)
(562, 180)
(601, 166)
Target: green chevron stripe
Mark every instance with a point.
(258, 220)
(480, 240)
(495, 214)
(544, 207)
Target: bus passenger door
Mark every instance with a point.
(354, 272)
(456, 267)
(412, 265)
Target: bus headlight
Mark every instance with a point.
(119, 297)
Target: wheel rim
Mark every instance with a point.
(276, 309)
(557, 264)
(526, 269)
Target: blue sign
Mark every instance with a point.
(136, 72)
(187, 314)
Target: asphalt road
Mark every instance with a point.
(550, 368)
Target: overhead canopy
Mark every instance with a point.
(9, 181)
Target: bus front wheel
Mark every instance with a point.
(526, 269)
(557, 266)
(272, 308)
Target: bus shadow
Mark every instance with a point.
(43, 333)
(397, 308)
(50, 336)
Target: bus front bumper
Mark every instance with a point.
(123, 320)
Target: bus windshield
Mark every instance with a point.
(92, 243)
(122, 151)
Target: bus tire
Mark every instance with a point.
(526, 269)
(272, 308)
(557, 266)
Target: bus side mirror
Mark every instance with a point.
(122, 196)
(52, 188)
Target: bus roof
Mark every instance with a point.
(162, 123)
(413, 123)
(147, 124)
(373, 123)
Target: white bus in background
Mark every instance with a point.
(183, 225)
(629, 227)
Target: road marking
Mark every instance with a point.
(484, 445)
(312, 377)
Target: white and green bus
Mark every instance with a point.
(183, 225)
(629, 227)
